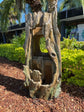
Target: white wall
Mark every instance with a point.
(81, 32)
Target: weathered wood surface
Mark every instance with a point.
(39, 69)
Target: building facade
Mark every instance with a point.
(5, 37)
(72, 23)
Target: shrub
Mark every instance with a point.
(73, 66)
(72, 62)
(80, 45)
(19, 40)
(72, 44)
(11, 52)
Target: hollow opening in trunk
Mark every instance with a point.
(40, 58)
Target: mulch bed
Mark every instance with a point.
(14, 96)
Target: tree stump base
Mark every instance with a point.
(42, 71)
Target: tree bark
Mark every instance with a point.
(38, 68)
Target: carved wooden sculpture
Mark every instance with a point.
(43, 72)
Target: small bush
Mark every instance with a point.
(73, 66)
(71, 44)
(11, 52)
(80, 45)
(19, 40)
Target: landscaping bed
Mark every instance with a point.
(14, 96)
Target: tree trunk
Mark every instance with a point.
(43, 72)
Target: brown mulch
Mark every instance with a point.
(14, 96)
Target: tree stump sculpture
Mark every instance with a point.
(43, 71)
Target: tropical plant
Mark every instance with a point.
(67, 4)
(10, 10)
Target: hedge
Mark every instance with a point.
(72, 62)
(11, 52)
(73, 66)
(72, 44)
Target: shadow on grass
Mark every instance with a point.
(14, 85)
